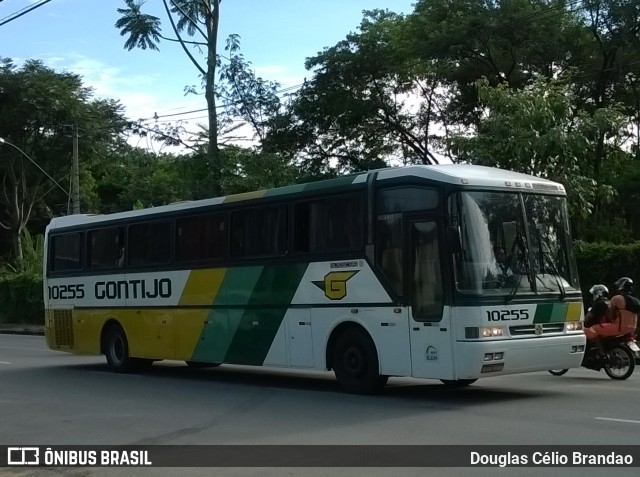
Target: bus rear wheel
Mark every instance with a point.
(117, 353)
(355, 363)
(117, 350)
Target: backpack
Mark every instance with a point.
(632, 304)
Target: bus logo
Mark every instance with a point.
(334, 285)
(538, 329)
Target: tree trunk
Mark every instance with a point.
(213, 156)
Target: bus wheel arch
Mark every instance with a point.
(353, 356)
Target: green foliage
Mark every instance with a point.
(537, 130)
(21, 299)
(604, 263)
(33, 253)
(37, 105)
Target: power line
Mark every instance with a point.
(220, 106)
(22, 12)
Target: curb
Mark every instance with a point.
(18, 330)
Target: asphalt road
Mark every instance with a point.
(52, 398)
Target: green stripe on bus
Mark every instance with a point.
(256, 326)
(236, 289)
(557, 312)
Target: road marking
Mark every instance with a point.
(5, 362)
(617, 420)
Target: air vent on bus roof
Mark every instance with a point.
(541, 186)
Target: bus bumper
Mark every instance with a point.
(496, 358)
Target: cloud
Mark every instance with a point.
(142, 95)
(282, 74)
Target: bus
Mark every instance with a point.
(446, 272)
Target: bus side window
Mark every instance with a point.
(329, 225)
(259, 232)
(200, 238)
(149, 243)
(105, 246)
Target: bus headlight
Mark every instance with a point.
(473, 333)
(489, 332)
(574, 326)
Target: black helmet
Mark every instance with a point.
(624, 284)
(598, 291)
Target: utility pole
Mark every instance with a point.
(75, 175)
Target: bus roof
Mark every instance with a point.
(460, 174)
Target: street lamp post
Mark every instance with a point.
(3, 141)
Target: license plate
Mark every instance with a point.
(633, 346)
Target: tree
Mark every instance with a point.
(539, 130)
(247, 99)
(195, 17)
(367, 103)
(505, 41)
(135, 178)
(37, 105)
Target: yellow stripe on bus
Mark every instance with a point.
(201, 289)
(574, 311)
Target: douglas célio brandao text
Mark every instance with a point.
(551, 458)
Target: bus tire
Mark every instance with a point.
(117, 351)
(355, 363)
(558, 372)
(457, 383)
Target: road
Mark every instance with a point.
(52, 398)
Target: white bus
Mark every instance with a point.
(449, 272)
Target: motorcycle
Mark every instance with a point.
(619, 363)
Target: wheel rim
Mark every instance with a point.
(353, 361)
(618, 362)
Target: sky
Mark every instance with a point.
(79, 36)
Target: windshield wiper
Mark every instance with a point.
(523, 263)
(514, 291)
(546, 254)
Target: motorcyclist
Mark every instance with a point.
(624, 307)
(599, 311)
(621, 320)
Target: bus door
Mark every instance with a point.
(431, 350)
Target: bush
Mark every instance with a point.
(21, 299)
(603, 262)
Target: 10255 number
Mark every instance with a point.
(507, 315)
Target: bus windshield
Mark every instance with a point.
(512, 243)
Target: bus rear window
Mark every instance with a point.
(65, 252)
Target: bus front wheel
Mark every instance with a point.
(355, 363)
